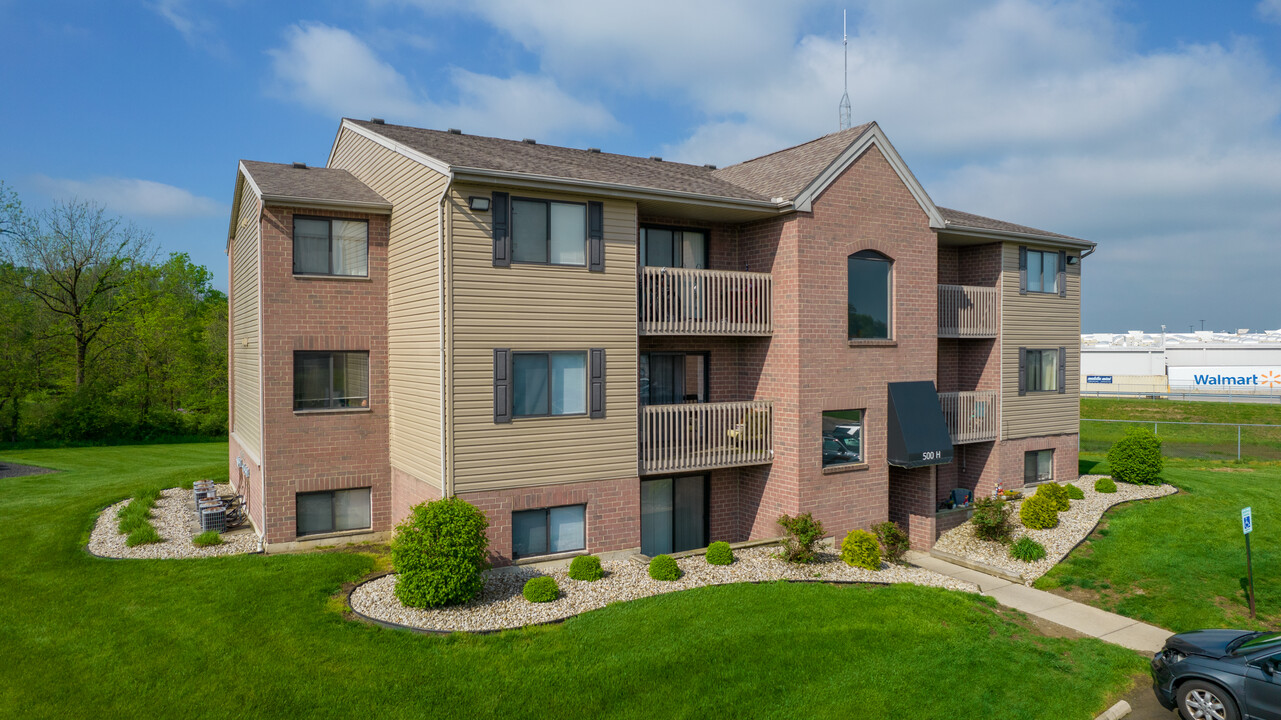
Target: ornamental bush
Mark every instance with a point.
(541, 589)
(719, 553)
(1055, 494)
(991, 520)
(439, 552)
(664, 567)
(1105, 485)
(1074, 492)
(1136, 457)
(1027, 550)
(1039, 512)
(860, 549)
(800, 541)
(586, 568)
(894, 542)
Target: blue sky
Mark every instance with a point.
(1152, 128)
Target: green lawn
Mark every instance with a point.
(1179, 562)
(257, 636)
(1188, 441)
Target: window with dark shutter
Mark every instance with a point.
(502, 385)
(596, 237)
(1062, 369)
(500, 213)
(596, 401)
(1023, 371)
(1062, 274)
(1022, 270)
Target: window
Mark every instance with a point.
(673, 378)
(331, 380)
(549, 233)
(673, 514)
(1042, 271)
(842, 437)
(869, 296)
(667, 247)
(333, 511)
(329, 246)
(1038, 466)
(1042, 370)
(549, 530)
(549, 384)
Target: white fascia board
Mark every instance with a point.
(242, 177)
(1025, 237)
(439, 166)
(630, 192)
(365, 207)
(872, 137)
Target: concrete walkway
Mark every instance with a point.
(1054, 608)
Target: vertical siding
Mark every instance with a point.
(537, 307)
(246, 335)
(413, 299)
(1038, 321)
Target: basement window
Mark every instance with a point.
(549, 530)
(1038, 466)
(333, 511)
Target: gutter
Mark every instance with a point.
(1043, 239)
(383, 208)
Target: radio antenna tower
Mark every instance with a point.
(845, 99)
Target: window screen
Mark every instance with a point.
(333, 511)
(549, 530)
(331, 246)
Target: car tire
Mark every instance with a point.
(1200, 700)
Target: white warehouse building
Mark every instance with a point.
(1208, 363)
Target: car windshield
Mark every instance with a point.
(1255, 641)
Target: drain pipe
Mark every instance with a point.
(442, 268)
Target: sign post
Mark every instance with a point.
(1247, 525)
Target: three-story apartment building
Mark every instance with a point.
(612, 353)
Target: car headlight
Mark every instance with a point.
(1174, 656)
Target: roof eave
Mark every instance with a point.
(970, 231)
(377, 208)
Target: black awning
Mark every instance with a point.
(918, 433)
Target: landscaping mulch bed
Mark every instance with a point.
(1075, 524)
(501, 604)
(173, 517)
(12, 470)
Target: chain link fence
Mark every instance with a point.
(1207, 441)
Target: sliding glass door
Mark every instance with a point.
(673, 378)
(673, 514)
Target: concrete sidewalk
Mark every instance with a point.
(1057, 609)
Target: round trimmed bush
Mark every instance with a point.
(1027, 550)
(1039, 512)
(586, 568)
(719, 553)
(439, 552)
(541, 589)
(1105, 485)
(1055, 494)
(860, 549)
(664, 567)
(1074, 492)
(1136, 457)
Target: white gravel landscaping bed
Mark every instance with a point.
(1074, 525)
(173, 518)
(501, 604)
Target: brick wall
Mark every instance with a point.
(251, 488)
(1066, 467)
(408, 491)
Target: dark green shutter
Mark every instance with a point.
(500, 214)
(596, 396)
(1062, 369)
(1023, 371)
(1062, 274)
(502, 385)
(1022, 270)
(596, 237)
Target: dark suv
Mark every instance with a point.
(1220, 675)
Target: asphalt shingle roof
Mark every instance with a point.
(787, 172)
(312, 183)
(970, 220)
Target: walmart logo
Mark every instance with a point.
(1270, 378)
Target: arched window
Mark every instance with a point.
(869, 291)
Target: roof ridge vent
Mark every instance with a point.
(709, 166)
(377, 121)
(300, 166)
(455, 131)
(530, 141)
(593, 150)
(655, 158)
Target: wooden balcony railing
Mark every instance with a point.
(705, 436)
(968, 312)
(971, 416)
(682, 301)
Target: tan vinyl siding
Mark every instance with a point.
(536, 308)
(247, 376)
(1038, 321)
(413, 298)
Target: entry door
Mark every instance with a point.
(673, 514)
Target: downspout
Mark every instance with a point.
(446, 308)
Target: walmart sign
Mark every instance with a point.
(1260, 378)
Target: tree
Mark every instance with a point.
(79, 258)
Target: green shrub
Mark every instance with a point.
(894, 542)
(1055, 494)
(1027, 550)
(719, 553)
(1074, 492)
(439, 552)
(991, 520)
(1039, 512)
(664, 567)
(586, 568)
(1105, 485)
(144, 535)
(541, 589)
(802, 534)
(860, 549)
(1136, 457)
(207, 539)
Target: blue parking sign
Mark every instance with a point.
(1247, 523)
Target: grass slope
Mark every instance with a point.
(1189, 441)
(255, 636)
(1179, 562)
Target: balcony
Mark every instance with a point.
(705, 436)
(968, 312)
(683, 301)
(971, 416)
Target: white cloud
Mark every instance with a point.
(332, 71)
(1269, 10)
(196, 30)
(131, 196)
